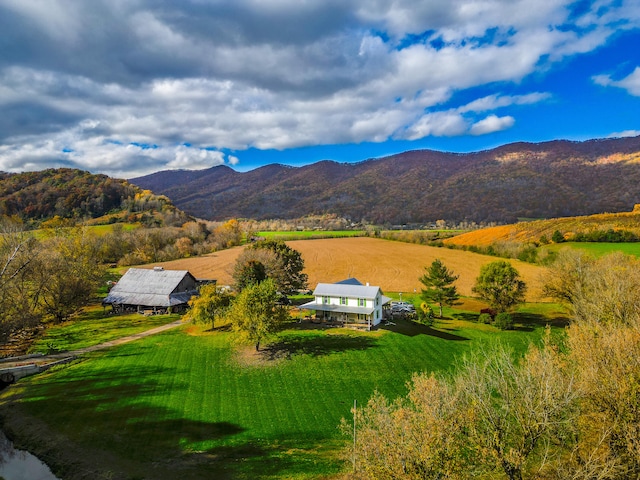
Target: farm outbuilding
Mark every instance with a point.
(152, 290)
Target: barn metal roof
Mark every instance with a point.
(149, 287)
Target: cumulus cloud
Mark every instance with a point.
(630, 83)
(491, 124)
(625, 133)
(132, 87)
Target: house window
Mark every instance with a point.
(361, 302)
(325, 300)
(343, 300)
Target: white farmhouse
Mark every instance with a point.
(349, 302)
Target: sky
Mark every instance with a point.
(131, 87)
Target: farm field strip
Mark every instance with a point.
(599, 249)
(394, 266)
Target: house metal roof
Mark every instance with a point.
(149, 287)
(346, 290)
(349, 281)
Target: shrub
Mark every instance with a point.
(504, 321)
(557, 237)
(484, 318)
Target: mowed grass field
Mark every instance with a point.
(191, 404)
(598, 249)
(394, 266)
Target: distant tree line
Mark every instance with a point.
(608, 236)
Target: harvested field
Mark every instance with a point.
(394, 266)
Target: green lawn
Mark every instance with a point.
(599, 249)
(186, 404)
(94, 327)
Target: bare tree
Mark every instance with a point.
(517, 409)
(18, 255)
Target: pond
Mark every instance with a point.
(21, 465)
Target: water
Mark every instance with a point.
(21, 465)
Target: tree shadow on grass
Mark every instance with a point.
(529, 321)
(412, 329)
(222, 328)
(90, 423)
(467, 317)
(315, 345)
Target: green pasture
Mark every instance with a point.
(190, 403)
(598, 249)
(98, 230)
(311, 234)
(93, 327)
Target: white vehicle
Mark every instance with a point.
(402, 307)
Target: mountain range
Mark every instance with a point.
(520, 180)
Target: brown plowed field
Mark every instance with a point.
(394, 266)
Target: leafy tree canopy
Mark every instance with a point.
(211, 303)
(284, 266)
(500, 285)
(255, 313)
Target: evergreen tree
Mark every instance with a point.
(438, 281)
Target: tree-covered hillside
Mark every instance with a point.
(520, 180)
(76, 195)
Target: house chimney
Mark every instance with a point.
(367, 284)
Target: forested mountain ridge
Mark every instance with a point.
(75, 195)
(530, 180)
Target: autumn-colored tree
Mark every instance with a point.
(211, 303)
(19, 253)
(604, 289)
(606, 359)
(496, 413)
(417, 437)
(251, 267)
(515, 411)
(256, 313)
(228, 234)
(287, 268)
(500, 285)
(68, 275)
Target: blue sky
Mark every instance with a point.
(128, 88)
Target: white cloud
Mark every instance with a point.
(625, 133)
(493, 102)
(630, 83)
(492, 124)
(438, 124)
(96, 80)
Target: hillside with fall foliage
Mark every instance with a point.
(534, 231)
(76, 195)
(505, 184)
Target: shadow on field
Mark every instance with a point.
(87, 422)
(528, 321)
(316, 345)
(411, 329)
